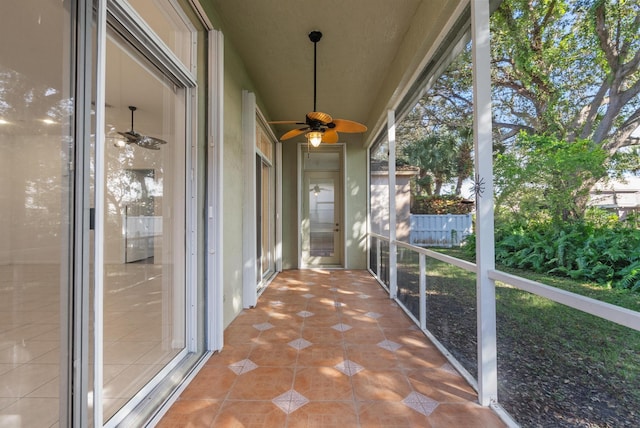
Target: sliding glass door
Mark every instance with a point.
(144, 286)
(37, 106)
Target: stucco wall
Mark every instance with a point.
(236, 80)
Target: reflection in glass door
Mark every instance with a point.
(322, 231)
(144, 285)
(36, 193)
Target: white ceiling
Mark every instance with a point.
(362, 39)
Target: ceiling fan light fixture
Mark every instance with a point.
(314, 138)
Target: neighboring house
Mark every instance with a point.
(379, 199)
(619, 196)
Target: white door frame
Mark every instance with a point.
(342, 149)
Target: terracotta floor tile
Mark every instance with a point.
(239, 334)
(324, 414)
(387, 414)
(321, 321)
(305, 385)
(254, 414)
(263, 383)
(190, 414)
(279, 335)
(322, 335)
(251, 316)
(372, 385)
(464, 415)
(230, 354)
(212, 383)
(323, 384)
(412, 358)
(441, 385)
(372, 357)
(274, 355)
(321, 355)
(364, 336)
(361, 321)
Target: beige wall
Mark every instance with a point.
(236, 80)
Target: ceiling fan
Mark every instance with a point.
(143, 141)
(319, 127)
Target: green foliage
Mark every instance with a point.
(445, 204)
(599, 249)
(542, 177)
(440, 158)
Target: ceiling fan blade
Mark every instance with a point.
(293, 133)
(286, 122)
(320, 117)
(330, 136)
(150, 143)
(349, 126)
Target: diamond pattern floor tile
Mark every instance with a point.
(305, 314)
(349, 367)
(373, 315)
(389, 345)
(290, 401)
(263, 326)
(420, 403)
(243, 366)
(300, 344)
(341, 327)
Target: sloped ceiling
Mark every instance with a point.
(369, 48)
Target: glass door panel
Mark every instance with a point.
(36, 143)
(144, 245)
(322, 236)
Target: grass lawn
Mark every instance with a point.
(558, 366)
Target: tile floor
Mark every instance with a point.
(327, 349)
(136, 343)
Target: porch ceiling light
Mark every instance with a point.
(314, 138)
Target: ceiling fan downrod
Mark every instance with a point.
(315, 37)
(132, 108)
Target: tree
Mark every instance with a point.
(567, 70)
(540, 178)
(440, 157)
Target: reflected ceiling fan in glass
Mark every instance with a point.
(144, 141)
(319, 127)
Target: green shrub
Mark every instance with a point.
(599, 248)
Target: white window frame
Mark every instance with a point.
(251, 114)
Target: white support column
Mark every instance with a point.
(485, 252)
(423, 291)
(215, 193)
(391, 136)
(249, 211)
(378, 257)
(279, 206)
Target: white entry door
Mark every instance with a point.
(322, 236)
